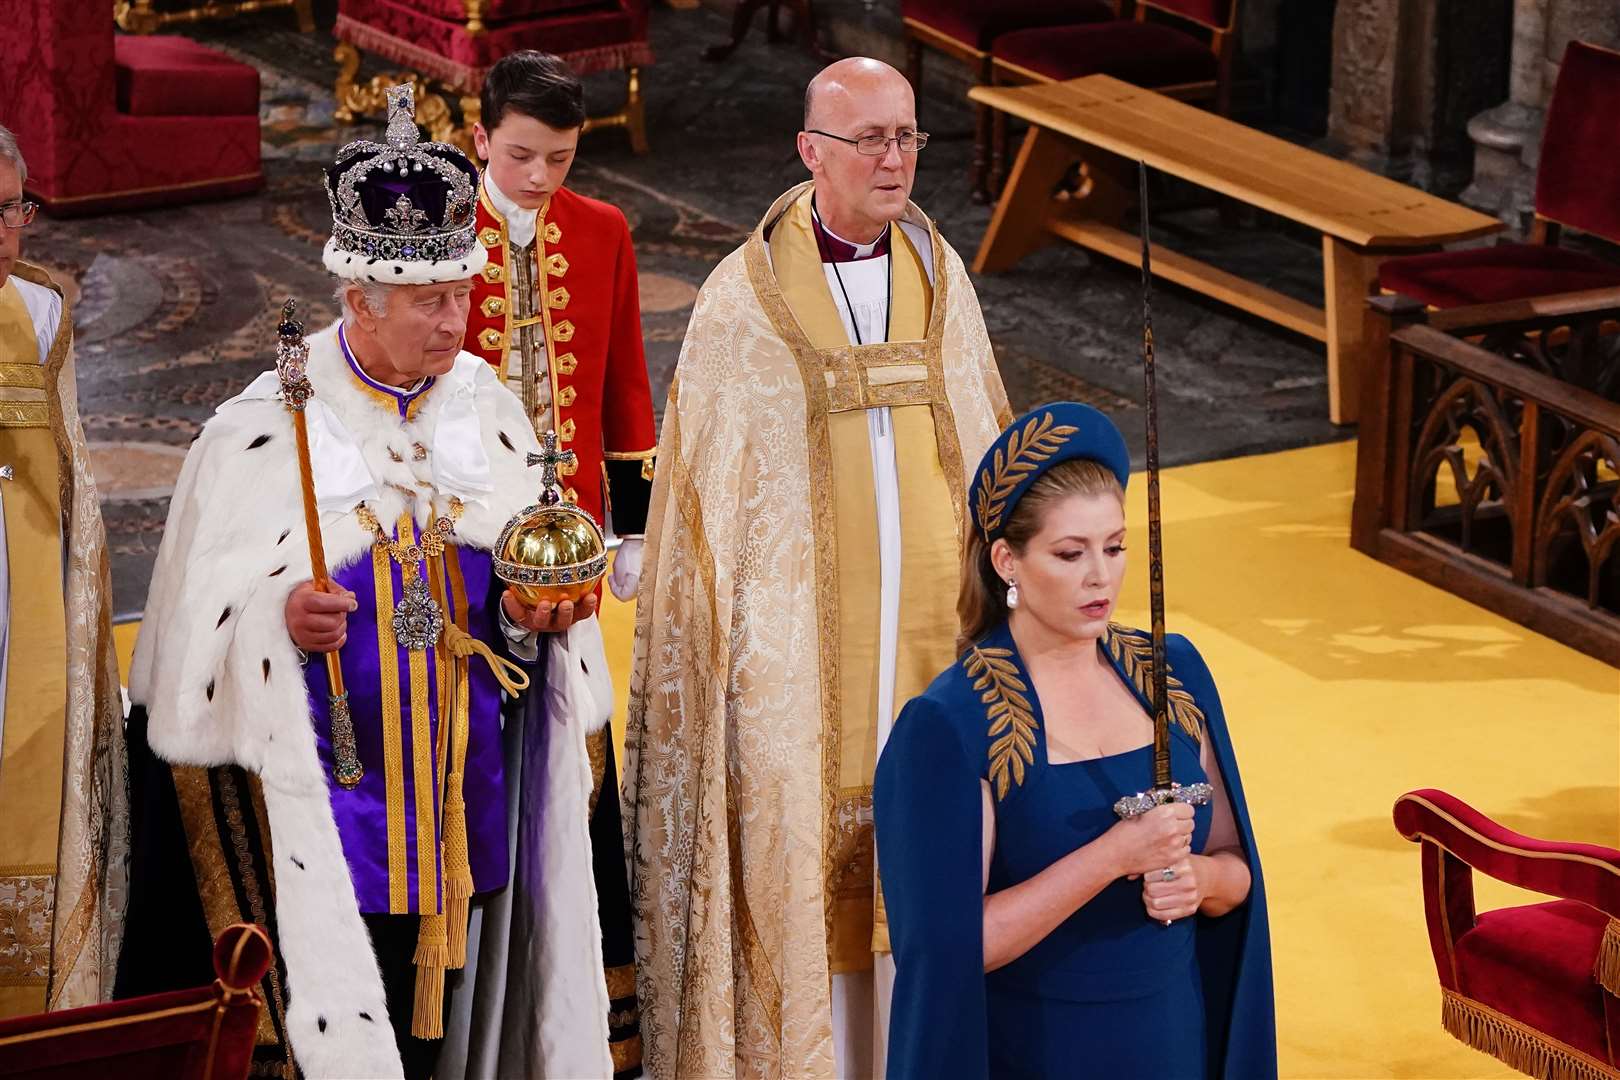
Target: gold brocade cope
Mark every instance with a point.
(844, 381)
(734, 752)
(36, 689)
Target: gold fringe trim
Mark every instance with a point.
(1517, 1045)
(1607, 969)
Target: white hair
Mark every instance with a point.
(10, 151)
(375, 292)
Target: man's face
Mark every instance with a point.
(10, 239)
(529, 159)
(420, 332)
(867, 192)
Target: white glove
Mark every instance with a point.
(626, 574)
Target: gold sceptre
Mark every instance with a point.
(292, 358)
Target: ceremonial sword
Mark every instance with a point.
(292, 359)
(1164, 789)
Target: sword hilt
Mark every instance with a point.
(1134, 806)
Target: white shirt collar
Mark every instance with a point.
(520, 223)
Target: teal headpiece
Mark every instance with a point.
(1041, 438)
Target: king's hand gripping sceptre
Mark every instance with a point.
(1164, 790)
(292, 358)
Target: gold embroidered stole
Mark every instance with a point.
(36, 663)
(905, 374)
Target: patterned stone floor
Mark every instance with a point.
(176, 307)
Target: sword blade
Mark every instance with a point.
(1160, 696)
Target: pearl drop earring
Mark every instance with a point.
(1012, 594)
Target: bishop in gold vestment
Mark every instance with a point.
(799, 582)
(63, 807)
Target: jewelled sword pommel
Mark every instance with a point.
(1132, 806)
(292, 359)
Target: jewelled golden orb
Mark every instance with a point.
(551, 551)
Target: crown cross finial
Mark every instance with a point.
(549, 458)
(401, 132)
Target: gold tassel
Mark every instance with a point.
(458, 881)
(1607, 968)
(1515, 1044)
(432, 956)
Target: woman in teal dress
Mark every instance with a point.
(1035, 934)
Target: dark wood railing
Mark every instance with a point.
(1488, 460)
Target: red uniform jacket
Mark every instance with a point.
(602, 406)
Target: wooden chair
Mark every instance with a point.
(964, 30)
(1180, 48)
(202, 1034)
(1577, 186)
(1534, 986)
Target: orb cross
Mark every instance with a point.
(550, 458)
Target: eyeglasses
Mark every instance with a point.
(877, 145)
(17, 214)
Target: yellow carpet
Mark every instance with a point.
(1345, 684)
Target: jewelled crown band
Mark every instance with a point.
(403, 210)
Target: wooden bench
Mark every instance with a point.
(1108, 125)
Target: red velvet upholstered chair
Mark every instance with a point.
(1577, 186)
(112, 122)
(1181, 48)
(456, 42)
(965, 30)
(1536, 985)
(202, 1034)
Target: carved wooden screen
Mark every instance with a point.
(1489, 458)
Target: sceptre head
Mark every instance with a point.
(292, 358)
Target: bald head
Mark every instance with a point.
(856, 77)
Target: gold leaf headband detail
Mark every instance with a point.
(1025, 451)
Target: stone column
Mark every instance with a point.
(1502, 182)
(1407, 74)
(1507, 139)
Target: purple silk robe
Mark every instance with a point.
(362, 813)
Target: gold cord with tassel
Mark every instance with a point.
(432, 956)
(441, 942)
(458, 881)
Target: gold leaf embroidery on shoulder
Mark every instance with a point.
(1040, 439)
(1135, 655)
(1012, 721)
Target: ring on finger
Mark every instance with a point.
(1167, 874)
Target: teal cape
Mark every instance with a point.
(1109, 988)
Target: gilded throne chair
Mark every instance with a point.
(114, 121)
(447, 47)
